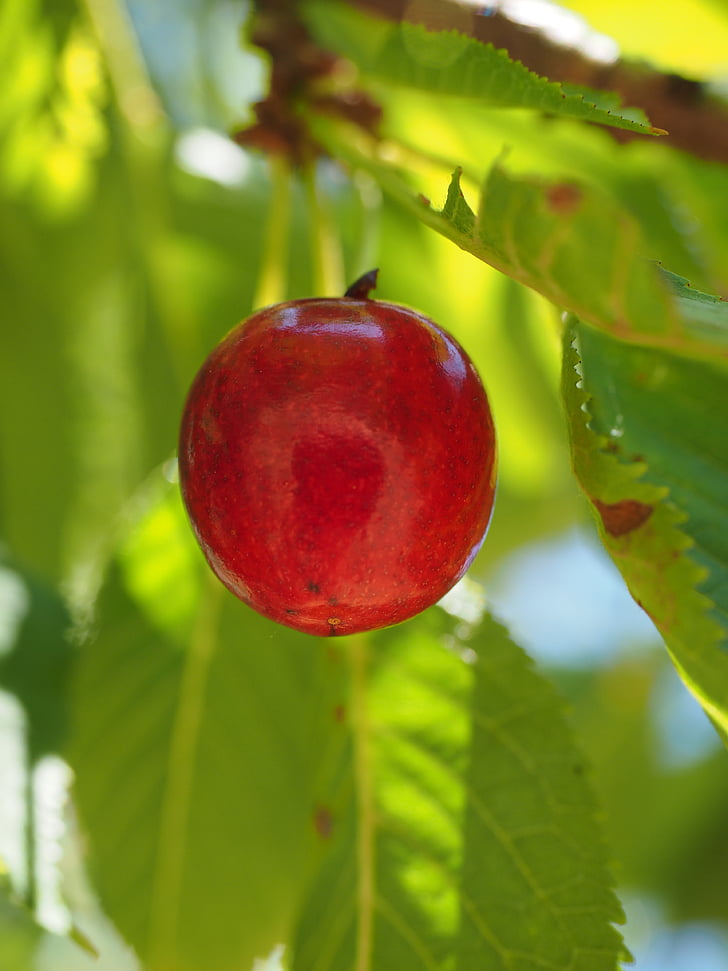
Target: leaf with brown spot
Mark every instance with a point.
(620, 518)
(534, 232)
(676, 564)
(323, 821)
(564, 197)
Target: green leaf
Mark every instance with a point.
(35, 656)
(21, 936)
(386, 894)
(706, 314)
(456, 737)
(19, 933)
(536, 232)
(33, 390)
(450, 63)
(651, 456)
(196, 759)
(572, 243)
(536, 891)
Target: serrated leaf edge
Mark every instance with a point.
(552, 701)
(677, 540)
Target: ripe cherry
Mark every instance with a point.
(337, 461)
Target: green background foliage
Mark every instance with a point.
(188, 786)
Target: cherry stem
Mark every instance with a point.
(272, 281)
(361, 288)
(326, 258)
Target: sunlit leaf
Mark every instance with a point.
(536, 889)
(472, 835)
(449, 62)
(535, 232)
(677, 200)
(386, 893)
(52, 115)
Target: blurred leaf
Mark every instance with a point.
(20, 936)
(675, 847)
(442, 738)
(35, 401)
(197, 763)
(51, 120)
(672, 231)
(96, 359)
(161, 565)
(69, 388)
(449, 62)
(35, 656)
(700, 193)
(703, 311)
(653, 460)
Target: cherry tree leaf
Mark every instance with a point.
(535, 891)
(386, 895)
(570, 242)
(706, 313)
(469, 838)
(653, 461)
(533, 230)
(450, 63)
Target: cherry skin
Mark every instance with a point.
(338, 461)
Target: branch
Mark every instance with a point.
(298, 65)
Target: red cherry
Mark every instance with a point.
(337, 461)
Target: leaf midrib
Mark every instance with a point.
(363, 768)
